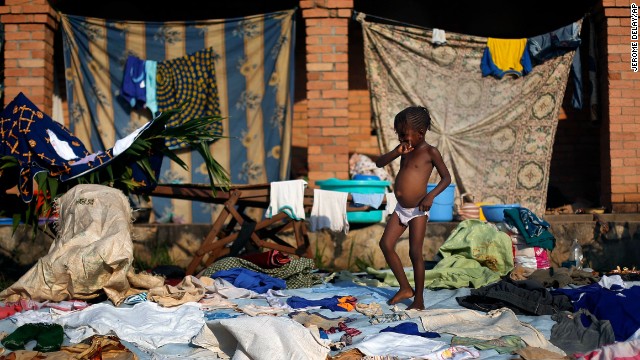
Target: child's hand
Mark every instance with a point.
(405, 147)
(426, 203)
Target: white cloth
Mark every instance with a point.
(608, 281)
(397, 344)
(438, 37)
(487, 326)
(268, 338)
(287, 197)
(62, 148)
(146, 324)
(329, 210)
(392, 202)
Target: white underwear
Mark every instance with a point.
(406, 214)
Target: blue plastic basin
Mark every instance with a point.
(495, 213)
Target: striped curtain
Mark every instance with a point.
(254, 75)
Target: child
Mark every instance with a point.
(417, 160)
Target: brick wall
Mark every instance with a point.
(29, 28)
(623, 110)
(361, 138)
(327, 67)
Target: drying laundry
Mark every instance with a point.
(329, 211)
(506, 57)
(287, 197)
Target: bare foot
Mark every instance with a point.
(416, 305)
(402, 294)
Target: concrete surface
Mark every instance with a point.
(608, 240)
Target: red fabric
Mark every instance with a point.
(269, 259)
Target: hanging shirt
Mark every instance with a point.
(505, 56)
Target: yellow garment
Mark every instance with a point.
(506, 53)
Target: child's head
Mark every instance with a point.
(413, 117)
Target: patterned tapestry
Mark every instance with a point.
(254, 78)
(496, 135)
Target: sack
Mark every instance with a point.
(468, 210)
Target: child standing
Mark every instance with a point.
(417, 160)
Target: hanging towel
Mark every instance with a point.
(287, 197)
(505, 56)
(329, 211)
(151, 69)
(438, 37)
(373, 200)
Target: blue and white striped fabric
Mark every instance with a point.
(254, 75)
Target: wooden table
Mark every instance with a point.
(236, 199)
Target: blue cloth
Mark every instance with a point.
(373, 200)
(557, 43)
(488, 67)
(216, 315)
(249, 279)
(26, 133)
(410, 328)
(533, 229)
(133, 87)
(151, 69)
(618, 305)
(331, 303)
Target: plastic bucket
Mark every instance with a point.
(442, 208)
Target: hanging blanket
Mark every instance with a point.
(496, 136)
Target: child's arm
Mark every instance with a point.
(401, 149)
(445, 179)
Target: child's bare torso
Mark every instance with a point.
(413, 176)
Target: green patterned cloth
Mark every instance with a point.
(297, 273)
(507, 344)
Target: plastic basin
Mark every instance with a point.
(495, 213)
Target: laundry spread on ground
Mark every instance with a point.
(237, 309)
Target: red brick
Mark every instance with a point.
(341, 131)
(13, 36)
(315, 13)
(632, 198)
(31, 81)
(319, 67)
(336, 112)
(313, 103)
(617, 12)
(319, 48)
(335, 58)
(319, 30)
(307, 4)
(324, 85)
(343, 40)
(340, 94)
(336, 75)
(345, 4)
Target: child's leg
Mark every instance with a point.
(417, 229)
(390, 237)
